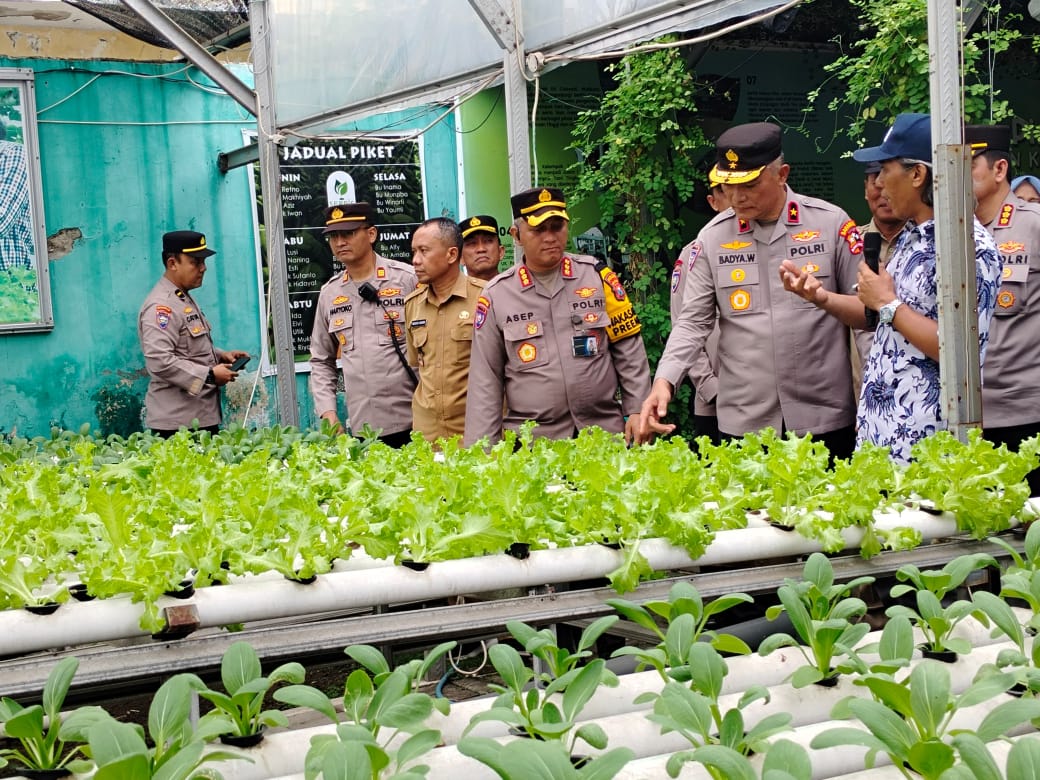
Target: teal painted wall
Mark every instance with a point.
(128, 151)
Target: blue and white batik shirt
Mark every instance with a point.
(899, 401)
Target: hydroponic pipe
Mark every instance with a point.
(625, 722)
(257, 599)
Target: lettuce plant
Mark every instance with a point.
(522, 760)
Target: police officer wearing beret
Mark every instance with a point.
(482, 248)
(359, 322)
(782, 363)
(185, 370)
(555, 336)
(1011, 380)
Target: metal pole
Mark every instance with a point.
(271, 185)
(961, 399)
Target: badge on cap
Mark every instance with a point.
(475, 222)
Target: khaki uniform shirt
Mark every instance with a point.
(704, 373)
(783, 362)
(524, 343)
(439, 339)
(1011, 374)
(864, 338)
(357, 333)
(178, 353)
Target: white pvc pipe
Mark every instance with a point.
(260, 598)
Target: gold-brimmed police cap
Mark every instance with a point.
(477, 224)
(348, 216)
(988, 138)
(187, 242)
(538, 204)
(743, 151)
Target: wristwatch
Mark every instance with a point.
(887, 313)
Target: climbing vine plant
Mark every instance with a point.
(885, 72)
(640, 150)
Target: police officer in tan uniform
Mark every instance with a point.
(1011, 374)
(439, 327)
(783, 363)
(482, 248)
(704, 373)
(556, 336)
(185, 370)
(359, 322)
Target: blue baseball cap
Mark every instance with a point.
(909, 137)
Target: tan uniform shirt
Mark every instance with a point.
(864, 338)
(782, 361)
(439, 339)
(178, 353)
(357, 333)
(704, 373)
(1011, 374)
(524, 343)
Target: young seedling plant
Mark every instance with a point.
(239, 712)
(45, 739)
(693, 710)
(821, 613)
(930, 587)
(687, 618)
(550, 712)
(379, 705)
(910, 722)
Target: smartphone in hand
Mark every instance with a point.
(240, 363)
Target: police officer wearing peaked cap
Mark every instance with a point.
(782, 363)
(1011, 375)
(185, 370)
(556, 336)
(359, 320)
(482, 248)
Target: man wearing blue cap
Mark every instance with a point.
(185, 370)
(1011, 382)
(782, 363)
(899, 402)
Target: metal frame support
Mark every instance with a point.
(195, 53)
(961, 394)
(236, 158)
(274, 225)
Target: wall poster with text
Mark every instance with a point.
(25, 303)
(386, 173)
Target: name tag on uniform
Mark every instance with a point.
(584, 346)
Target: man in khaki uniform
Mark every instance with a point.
(482, 248)
(358, 322)
(556, 336)
(1011, 374)
(185, 370)
(782, 362)
(704, 373)
(439, 328)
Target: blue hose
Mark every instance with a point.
(438, 692)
